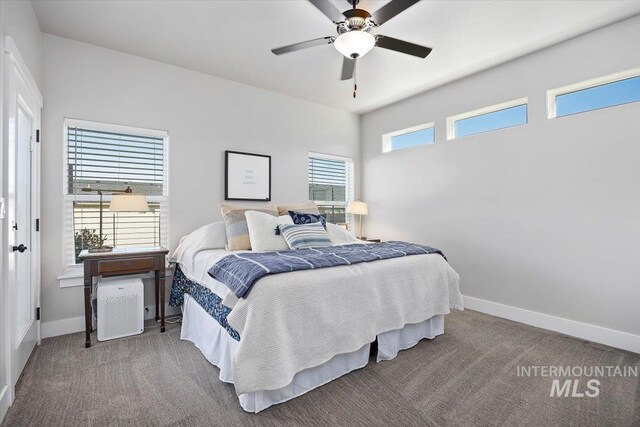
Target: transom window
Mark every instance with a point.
(499, 116)
(111, 158)
(331, 185)
(411, 137)
(609, 91)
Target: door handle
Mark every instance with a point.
(21, 248)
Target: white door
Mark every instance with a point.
(24, 286)
(22, 119)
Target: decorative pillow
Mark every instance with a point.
(308, 218)
(309, 207)
(300, 236)
(210, 236)
(236, 224)
(226, 207)
(262, 231)
(340, 235)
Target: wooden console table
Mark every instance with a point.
(119, 262)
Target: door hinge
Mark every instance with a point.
(37, 135)
(38, 313)
(37, 224)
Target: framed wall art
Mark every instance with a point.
(247, 176)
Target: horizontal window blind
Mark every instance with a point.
(112, 161)
(327, 180)
(109, 160)
(331, 186)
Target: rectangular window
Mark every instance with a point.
(410, 137)
(608, 91)
(500, 116)
(331, 185)
(111, 158)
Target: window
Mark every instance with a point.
(410, 137)
(608, 91)
(331, 185)
(500, 116)
(112, 158)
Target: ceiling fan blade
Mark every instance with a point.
(390, 10)
(348, 66)
(329, 11)
(303, 45)
(402, 46)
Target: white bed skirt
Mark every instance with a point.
(217, 346)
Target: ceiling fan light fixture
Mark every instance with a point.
(354, 44)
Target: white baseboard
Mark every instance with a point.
(55, 328)
(168, 311)
(76, 324)
(598, 334)
(4, 402)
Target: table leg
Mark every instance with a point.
(160, 282)
(88, 284)
(157, 286)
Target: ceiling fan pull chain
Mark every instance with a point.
(355, 78)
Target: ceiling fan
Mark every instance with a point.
(354, 39)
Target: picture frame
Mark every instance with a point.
(247, 176)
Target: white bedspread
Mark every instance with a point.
(196, 266)
(298, 320)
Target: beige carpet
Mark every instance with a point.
(465, 377)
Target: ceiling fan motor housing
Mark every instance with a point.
(357, 19)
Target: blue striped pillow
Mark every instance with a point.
(300, 236)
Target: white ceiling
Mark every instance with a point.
(232, 40)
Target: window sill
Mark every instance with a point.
(73, 276)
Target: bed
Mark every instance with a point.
(298, 330)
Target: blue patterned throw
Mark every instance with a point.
(240, 271)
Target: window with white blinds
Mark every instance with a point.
(111, 158)
(331, 185)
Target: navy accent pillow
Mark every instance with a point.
(307, 218)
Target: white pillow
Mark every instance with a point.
(210, 236)
(340, 235)
(262, 231)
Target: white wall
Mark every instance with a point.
(204, 116)
(544, 217)
(18, 20)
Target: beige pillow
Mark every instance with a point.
(309, 208)
(226, 207)
(236, 224)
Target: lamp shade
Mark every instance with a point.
(358, 208)
(128, 202)
(355, 43)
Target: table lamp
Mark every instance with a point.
(121, 201)
(128, 202)
(358, 207)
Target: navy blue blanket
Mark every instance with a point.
(241, 271)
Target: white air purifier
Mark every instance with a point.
(120, 308)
